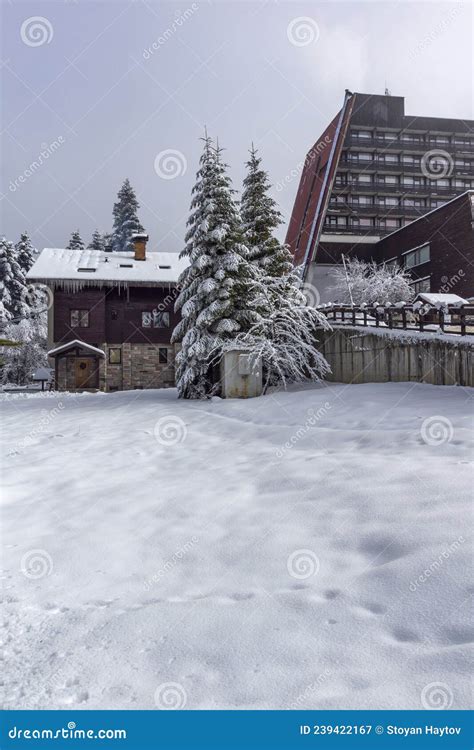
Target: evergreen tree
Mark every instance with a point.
(213, 299)
(260, 219)
(13, 304)
(76, 242)
(283, 337)
(126, 220)
(24, 252)
(22, 360)
(97, 241)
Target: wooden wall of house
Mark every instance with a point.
(114, 316)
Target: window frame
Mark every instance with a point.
(115, 349)
(82, 314)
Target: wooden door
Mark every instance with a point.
(86, 372)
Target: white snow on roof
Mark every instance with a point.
(444, 299)
(74, 343)
(98, 268)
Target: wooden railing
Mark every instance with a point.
(451, 319)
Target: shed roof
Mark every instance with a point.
(72, 345)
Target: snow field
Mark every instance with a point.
(307, 549)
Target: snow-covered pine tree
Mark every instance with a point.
(214, 296)
(13, 292)
(97, 241)
(24, 252)
(19, 362)
(284, 337)
(370, 283)
(76, 242)
(260, 219)
(126, 220)
(5, 275)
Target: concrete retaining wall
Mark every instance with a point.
(356, 356)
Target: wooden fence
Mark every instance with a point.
(453, 319)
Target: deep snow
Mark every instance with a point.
(305, 549)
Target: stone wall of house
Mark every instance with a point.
(139, 368)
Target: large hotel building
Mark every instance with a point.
(373, 171)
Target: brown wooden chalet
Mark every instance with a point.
(111, 317)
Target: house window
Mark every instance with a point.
(79, 318)
(163, 355)
(114, 315)
(418, 256)
(155, 319)
(422, 285)
(115, 356)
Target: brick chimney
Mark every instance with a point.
(139, 240)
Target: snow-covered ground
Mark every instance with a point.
(305, 549)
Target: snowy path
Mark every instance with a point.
(258, 554)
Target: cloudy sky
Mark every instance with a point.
(107, 90)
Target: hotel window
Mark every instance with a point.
(336, 221)
(79, 318)
(365, 179)
(361, 156)
(389, 223)
(442, 182)
(463, 163)
(163, 355)
(417, 257)
(115, 356)
(362, 134)
(362, 222)
(387, 136)
(440, 140)
(422, 285)
(363, 200)
(417, 181)
(413, 161)
(437, 203)
(341, 179)
(388, 179)
(387, 201)
(414, 202)
(392, 263)
(388, 158)
(409, 138)
(155, 319)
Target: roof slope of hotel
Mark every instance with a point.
(74, 269)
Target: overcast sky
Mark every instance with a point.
(104, 88)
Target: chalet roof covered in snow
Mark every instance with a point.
(73, 269)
